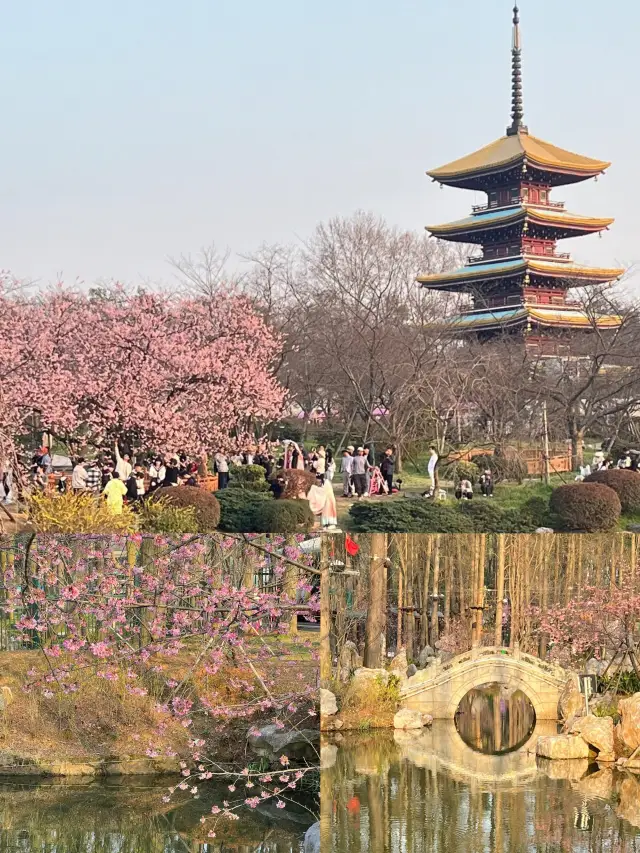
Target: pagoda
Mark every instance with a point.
(519, 282)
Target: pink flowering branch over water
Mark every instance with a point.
(594, 620)
(168, 370)
(124, 609)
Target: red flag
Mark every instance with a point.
(351, 546)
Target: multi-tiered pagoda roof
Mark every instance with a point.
(518, 279)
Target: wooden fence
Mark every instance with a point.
(560, 461)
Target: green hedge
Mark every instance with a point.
(418, 515)
(239, 508)
(413, 515)
(250, 477)
(205, 506)
(283, 516)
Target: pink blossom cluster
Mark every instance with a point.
(170, 370)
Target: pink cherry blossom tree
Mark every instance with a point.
(124, 609)
(165, 370)
(596, 622)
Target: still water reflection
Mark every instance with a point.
(495, 719)
(130, 817)
(430, 792)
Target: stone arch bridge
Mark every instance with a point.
(439, 689)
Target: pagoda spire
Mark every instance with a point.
(517, 110)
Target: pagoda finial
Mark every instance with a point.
(517, 110)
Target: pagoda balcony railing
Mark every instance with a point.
(556, 205)
(481, 259)
(514, 301)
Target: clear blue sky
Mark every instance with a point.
(134, 130)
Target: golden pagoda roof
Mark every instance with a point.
(549, 317)
(494, 269)
(532, 213)
(521, 147)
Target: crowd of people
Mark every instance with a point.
(116, 475)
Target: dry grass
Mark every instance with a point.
(97, 721)
(102, 720)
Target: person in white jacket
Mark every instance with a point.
(431, 468)
(123, 464)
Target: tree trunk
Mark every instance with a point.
(325, 620)
(499, 589)
(577, 444)
(433, 639)
(375, 627)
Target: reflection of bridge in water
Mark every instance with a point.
(440, 748)
(439, 689)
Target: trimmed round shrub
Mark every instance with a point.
(250, 477)
(586, 507)
(625, 483)
(206, 506)
(461, 470)
(283, 516)
(238, 509)
(296, 482)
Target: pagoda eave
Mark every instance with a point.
(525, 315)
(512, 155)
(540, 272)
(548, 223)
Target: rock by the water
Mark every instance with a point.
(562, 747)
(312, 839)
(328, 703)
(400, 662)
(598, 733)
(571, 702)
(425, 656)
(598, 784)
(411, 670)
(408, 719)
(272, 742)
(328, 755)
(572, 770)
(348, 662)
(619, 746)
(630, 721)
(545, 530)
(331, 724)
(633, 528)
(629, 800)
(364, 675)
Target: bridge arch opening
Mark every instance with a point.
(495, 718)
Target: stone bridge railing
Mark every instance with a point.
(439, 688)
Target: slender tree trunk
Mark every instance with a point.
(325, 616)
(375, 627)
(499, 588)
(434, 595)
(425, 593)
